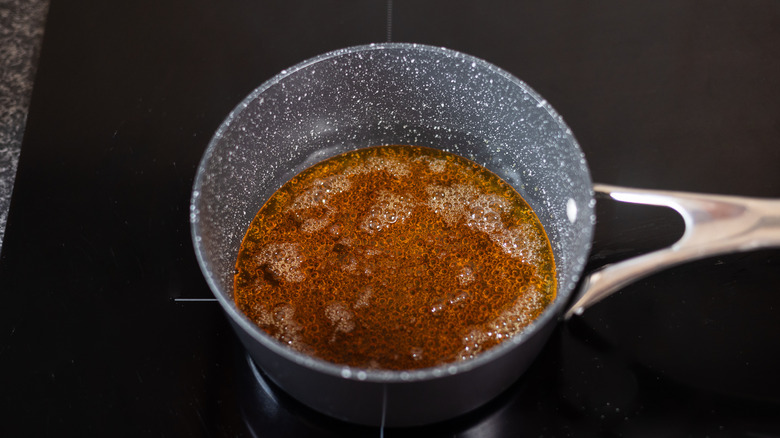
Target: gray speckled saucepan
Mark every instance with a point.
(407, 94)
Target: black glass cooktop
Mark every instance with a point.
(106, 327)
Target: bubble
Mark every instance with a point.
(283, 313)
(388, 209)
(390, 216)
(458, 296)
(350, 265)
(437, 166)
(437, 309)
(320, 192)
(340, 316)
(404, 282)
(284, 260)
(392, 166)
(263, 316)
(318, 196)
(465, 276)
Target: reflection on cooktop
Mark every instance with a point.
(266, 407)
(580, 385)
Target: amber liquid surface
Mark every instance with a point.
(394, 257)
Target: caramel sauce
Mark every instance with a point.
(394, 257)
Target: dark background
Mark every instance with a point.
(678, 94)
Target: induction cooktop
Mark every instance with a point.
(108, 327)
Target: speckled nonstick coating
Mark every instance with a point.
(391, 94)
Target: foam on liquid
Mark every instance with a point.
(394, 257)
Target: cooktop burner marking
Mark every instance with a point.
(389, 21)
(194, 299)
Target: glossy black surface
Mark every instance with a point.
(678, 95)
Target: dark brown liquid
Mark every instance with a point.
(394, 257)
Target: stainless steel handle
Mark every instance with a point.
(714, 224)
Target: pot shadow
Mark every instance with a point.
(534, 406)
(528, 406)
(582, 384)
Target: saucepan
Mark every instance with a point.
(383, 94)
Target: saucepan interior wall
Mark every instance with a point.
(395, 94)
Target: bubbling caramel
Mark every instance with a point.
(394, 257)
